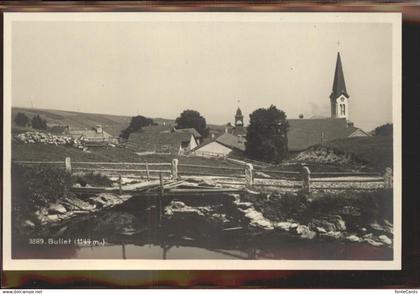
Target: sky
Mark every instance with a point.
(159, 69)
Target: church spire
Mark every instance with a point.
(339, 85)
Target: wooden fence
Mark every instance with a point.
(174, 170)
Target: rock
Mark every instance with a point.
(56, 207)
(354, 238)
(377, 227)
(305, 232)
(180, 210)
(385, 239)
(28, 223)
(257, 219)
(373, 242)
(320, 230)
(285, 226)
(52, 217)
(333, 235)
(338, 222)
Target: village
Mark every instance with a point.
(188, 177)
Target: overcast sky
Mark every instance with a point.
(158, 69)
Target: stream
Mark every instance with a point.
(136, 231)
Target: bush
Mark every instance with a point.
(93, 179)
(21, 119)
(38, 123)
(35, 186)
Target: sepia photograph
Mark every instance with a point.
(202, 140)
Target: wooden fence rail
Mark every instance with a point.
(248, 172)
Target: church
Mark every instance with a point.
(304, 133)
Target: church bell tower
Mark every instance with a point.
(239, 118)
(339, 96)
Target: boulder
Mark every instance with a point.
(373, 242)
(354, 238)
(305, 232)
(52, 217)
(56, 207)
(384, 239)
(338, 222)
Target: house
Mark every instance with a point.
(191, 131)
(155, 139)
(95, 136)
(222, 146)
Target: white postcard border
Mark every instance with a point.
(143, 264)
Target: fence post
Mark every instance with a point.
(388, 178)
(67, 164)
(120, 184)
(161, 194)
(147, 171)
(249, 177)
(306, 180)
(174, 170)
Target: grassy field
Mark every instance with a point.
(377, 151)
(44, 152)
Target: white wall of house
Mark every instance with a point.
(193, 143)
(213, 149)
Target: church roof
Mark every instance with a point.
(238, 112)
(339, 85)
(304, 133)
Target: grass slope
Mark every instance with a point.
(377, 151)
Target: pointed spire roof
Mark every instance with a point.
(238, 112)
(339, 85)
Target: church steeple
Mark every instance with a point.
(239, 118)
(339, 96)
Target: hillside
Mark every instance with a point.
(112, 124)
(375, 152)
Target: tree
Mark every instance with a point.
(21, 119)
(267, 135)
(136, 125)
(39, 123)
(384, 130)
(192, 119)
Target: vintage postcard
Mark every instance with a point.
(202, 141)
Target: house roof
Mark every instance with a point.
(89, 134)
(191, 131)
(158, 141)
(339, 85)
(304, 133)
(232, 141)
